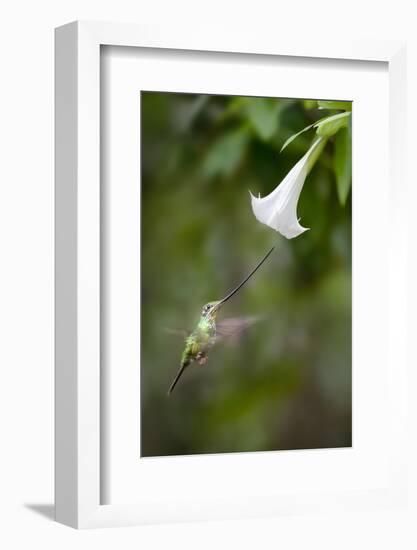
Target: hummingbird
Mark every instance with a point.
(204, 336)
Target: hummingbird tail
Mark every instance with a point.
(178, 376)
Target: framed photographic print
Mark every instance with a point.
(229, 329)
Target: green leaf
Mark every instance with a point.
(292, 138)
(263, 115)
(332, 124)
(191, 112)
(309, 103)
(342, 161)
(233, 108)
(326, 127)
(342, 105)
(225, 153)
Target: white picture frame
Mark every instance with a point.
(78, 405)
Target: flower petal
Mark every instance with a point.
(278, 210)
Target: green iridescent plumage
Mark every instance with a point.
(200, 340)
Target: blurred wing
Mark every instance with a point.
(177, 332)
(234, 326)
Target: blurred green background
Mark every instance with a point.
(286, 382)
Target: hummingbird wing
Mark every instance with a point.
(225, 328)
(234, 326)
(177, 332)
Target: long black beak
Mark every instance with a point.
(244, 280)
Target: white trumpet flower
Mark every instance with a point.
(279, 209)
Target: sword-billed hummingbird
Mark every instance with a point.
(203, 337)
